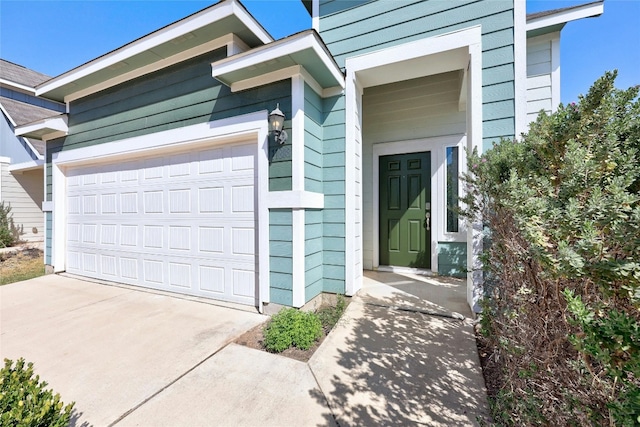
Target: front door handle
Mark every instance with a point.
(427, 223)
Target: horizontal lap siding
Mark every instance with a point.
(48, 241)
(538, 78)
(313, 181)
(24, 193)
(281, 256)
(355, 28)
(181, 95)
(333, 214)
(178, 96)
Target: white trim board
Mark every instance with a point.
(248, 127)
(19, 86)
(563, 16)
(520, 66)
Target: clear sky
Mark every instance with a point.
(55, 36)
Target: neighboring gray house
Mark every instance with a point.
(22, 159)
(165, 171)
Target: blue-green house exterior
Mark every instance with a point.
(371, 79)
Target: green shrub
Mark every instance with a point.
(9, 233)
(563, 209)
(292, 328)
(24, 400)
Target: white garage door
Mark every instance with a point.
(181, 223)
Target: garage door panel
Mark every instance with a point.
(184, 223)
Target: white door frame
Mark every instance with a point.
(249, 127)
(437, 147)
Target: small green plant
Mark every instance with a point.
(24, 400)
(330, 315)
(292, 328)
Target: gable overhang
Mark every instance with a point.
(45, 129)
(303, 53)
(226, 23)
(554, 21)
(27, 166)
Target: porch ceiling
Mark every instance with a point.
(455, 59)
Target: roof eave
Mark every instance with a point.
(555, 21)
(216, 12)
(45, 129)
(224, 69)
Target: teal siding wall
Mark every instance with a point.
(313, 181)
(313, 254)
(281, 256)
(333, 175)
(313, 118)
(181, 95)
(452, 259)
(355, 27)
(48, 240)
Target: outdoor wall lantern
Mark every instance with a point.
(276, 121)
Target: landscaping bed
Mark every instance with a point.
(328, 314)
(21, 264)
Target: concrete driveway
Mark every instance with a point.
(129, 357)
(132, 357)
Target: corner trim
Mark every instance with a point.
(520, 66)
(295, 200)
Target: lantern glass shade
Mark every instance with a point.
(276, 119)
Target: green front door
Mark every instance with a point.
(405, 197)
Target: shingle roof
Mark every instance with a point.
(38, 145)
(531, 16)
(22, 75)
(22, 113)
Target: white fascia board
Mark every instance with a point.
(177, 29)
(56, 124)
(5, 159)
(226, 40)
(562, 17)
(19, 86)
(26, 166)
(253, 25)
(416, 49)
(275, 50)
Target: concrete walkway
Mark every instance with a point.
(398, 366)
(129, 357)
